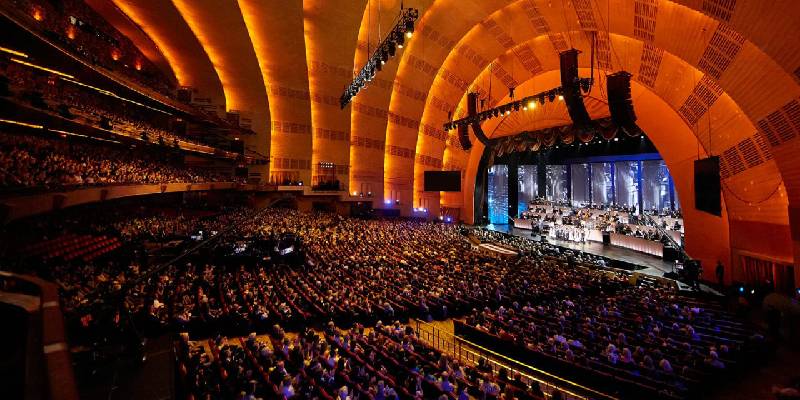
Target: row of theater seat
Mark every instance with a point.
(387, 360)
(71, 246)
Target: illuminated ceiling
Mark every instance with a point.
(726, 74)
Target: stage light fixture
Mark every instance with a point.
(561, 97)
(526, 103)
(385, 50)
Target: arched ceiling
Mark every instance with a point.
(726, 70)
(162, 22)
(275, 28)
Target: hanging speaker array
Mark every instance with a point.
(571, 89)
(620, 104)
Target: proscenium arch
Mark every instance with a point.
(477, 35)
(709, 238)
(727, 119)
(777, 85)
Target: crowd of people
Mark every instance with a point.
(572, 223)
(91, 107)
(74, 25)
(549, 300)
(388, 362)
(41, 162)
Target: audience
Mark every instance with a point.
(74, 25)
(549, 301)
(53, 163)
(86, 105)
(573, 223)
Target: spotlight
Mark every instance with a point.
(508, 112)
(551, 96)
(560, 97)
(400, 39)
(531, 104)
(541, 99)
(409, 28)
(391, 48)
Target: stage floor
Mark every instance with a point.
(652, 265)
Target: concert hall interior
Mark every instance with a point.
(400, 199)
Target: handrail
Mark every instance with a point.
(435, 332)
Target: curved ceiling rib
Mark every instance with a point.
(329, 58)
(368, 110)
(111, 13)
(275, 28)
(431, 44)
(162, 22)
(220, 28)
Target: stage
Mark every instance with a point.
(652, 265)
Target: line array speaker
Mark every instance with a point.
(571, 88)
(619, 100)
(472, 109)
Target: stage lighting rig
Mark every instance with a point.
(402, 31)
(525, 103)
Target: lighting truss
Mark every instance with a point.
(525, 103)
(402, 30)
